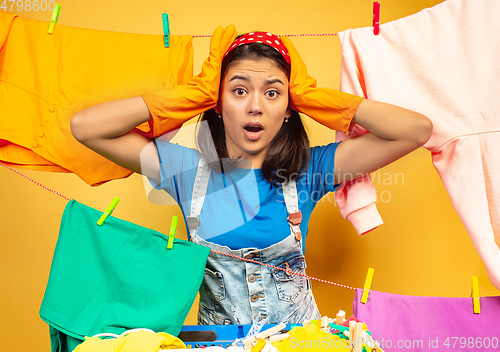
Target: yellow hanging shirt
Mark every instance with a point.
(46, 78)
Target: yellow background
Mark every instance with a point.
(422, 249)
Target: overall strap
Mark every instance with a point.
(198, 197)
(292, 206)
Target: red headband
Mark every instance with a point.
(264, 38)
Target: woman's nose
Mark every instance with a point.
(254, 104)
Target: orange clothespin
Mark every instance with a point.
(368, 283)
(376, 18)
(55, 17)
(475, 295)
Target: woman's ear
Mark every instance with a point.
(217, 109)
(288, 112)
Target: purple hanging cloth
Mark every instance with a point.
(416, 323)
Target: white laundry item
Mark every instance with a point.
(443, 62)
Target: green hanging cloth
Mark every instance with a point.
(116, 277)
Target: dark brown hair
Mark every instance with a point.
(288, 153)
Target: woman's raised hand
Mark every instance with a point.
(327, 106)
(171, 107)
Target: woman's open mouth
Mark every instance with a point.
(253, 130)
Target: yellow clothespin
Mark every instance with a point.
(108, 211)
(475, 295)
(55, 17)
(368, 283)
(166, 30)
(258, 346)
(173, 229)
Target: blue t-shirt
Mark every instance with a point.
(241, 208)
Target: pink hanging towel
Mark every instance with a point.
(412, 323)
(444, 63)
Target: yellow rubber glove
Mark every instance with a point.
(327, 106)
(172, 107)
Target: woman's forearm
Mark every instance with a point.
(109, 120)
(106, 129)
(394, 132)
(393, 123)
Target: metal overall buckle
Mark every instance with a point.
(193, 222)
(294, 219)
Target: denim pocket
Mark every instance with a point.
(207, 316)
(288, 285)
(213, 285)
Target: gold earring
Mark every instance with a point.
(286, 119)
(220, 116)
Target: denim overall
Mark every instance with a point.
(234, 291)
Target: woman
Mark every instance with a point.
(239, 196)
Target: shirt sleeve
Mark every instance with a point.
(356, 198)
(178, 165)
(321, 170)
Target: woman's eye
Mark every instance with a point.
(239, 91)
(273, 94)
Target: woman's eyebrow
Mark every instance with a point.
(267, 82)
(244, 78)
(272, 81)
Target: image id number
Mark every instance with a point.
(28, 5)
(471, 342)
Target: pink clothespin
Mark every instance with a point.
(376, 17)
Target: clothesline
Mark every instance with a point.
(39, 184)
(230, 255)
(284, 35)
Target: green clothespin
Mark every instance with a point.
(173, 229)
(55, 17)
(109, 210)
(166, 30)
